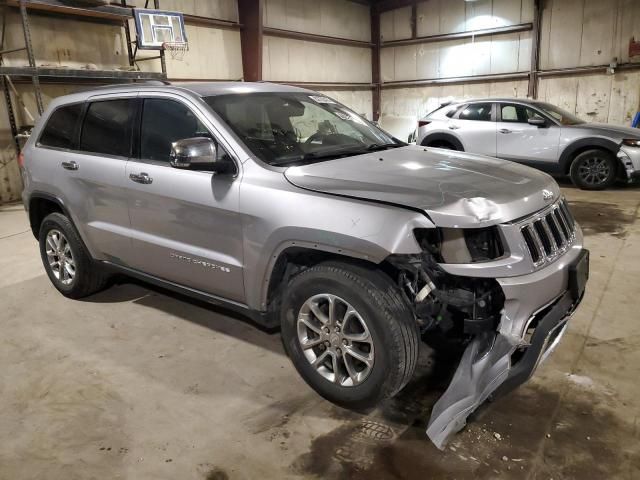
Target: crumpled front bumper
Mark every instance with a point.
(495, 363)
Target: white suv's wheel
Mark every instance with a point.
(66, 260)
(593, 170)
(349, 333)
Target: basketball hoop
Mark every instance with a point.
(176, 49)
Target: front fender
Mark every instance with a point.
(281, 216)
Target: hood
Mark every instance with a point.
(455, 189)
(605, 129)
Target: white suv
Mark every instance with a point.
(537, 134)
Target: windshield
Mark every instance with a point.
(562, 116)
(293, 128)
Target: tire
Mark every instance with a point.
(593, 170)
(87, 278)
(393, 335)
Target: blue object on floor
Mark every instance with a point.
(636, 121)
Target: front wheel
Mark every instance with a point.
(593, 170)
(349, 333)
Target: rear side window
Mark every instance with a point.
(477, 111)
(61, 127)
(107, 127)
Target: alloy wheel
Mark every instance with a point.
(60, 257)
(335, 340)
(594, 171)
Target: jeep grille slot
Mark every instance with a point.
(549, 233)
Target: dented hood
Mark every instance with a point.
(455, 189)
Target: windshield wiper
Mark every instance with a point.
(374, 147)
(319, 155)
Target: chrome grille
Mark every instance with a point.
(549, 233)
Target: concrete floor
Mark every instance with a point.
(137, 383)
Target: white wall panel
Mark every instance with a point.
(436, 17)
(456, 58)
(221, 9)
(337, 18)
(597, 98)
(598, 25)
(301, 61)
(395, 24)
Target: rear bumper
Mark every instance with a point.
(494, 363)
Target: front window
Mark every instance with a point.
(562, 116)
(295, 128)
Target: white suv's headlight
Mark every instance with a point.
(631, 142)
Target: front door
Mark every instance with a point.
(185, 224)
(520, 141)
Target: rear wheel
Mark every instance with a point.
(593, 170)
(66, 260)
(349, 333)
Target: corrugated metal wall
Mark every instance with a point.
(574, 33)
(214, 53)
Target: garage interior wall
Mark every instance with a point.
(573, 33)
(292, 60)
(214, 54)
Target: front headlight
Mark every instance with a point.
(631, 142)
(461, 245)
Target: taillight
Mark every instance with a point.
(423, 123)
(21, 160)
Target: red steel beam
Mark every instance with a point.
(250, 13)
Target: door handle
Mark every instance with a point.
(453, 127)
(142, 177)
(72, 165)
(504, 130)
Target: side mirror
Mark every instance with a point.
(197, 153)
(538, 122)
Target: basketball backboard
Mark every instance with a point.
(156, 28)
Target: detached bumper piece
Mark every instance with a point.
(492, 366)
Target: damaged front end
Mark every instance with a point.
(505, 325)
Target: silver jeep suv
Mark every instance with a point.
(285, 205)
(537, 134)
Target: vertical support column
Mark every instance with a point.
(535, 49)
(250, 16)
(163, 62)
(127, 33)
(32, 61)
(12, 118)
(375, 64)
(414, 20)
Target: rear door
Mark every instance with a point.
(186, 227)
(91, 176)
(475, 125)
(520, 141)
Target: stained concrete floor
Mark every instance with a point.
(138, 383)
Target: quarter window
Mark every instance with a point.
(477, 111)
(107, 127)
(61, 127)
(164, 122)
